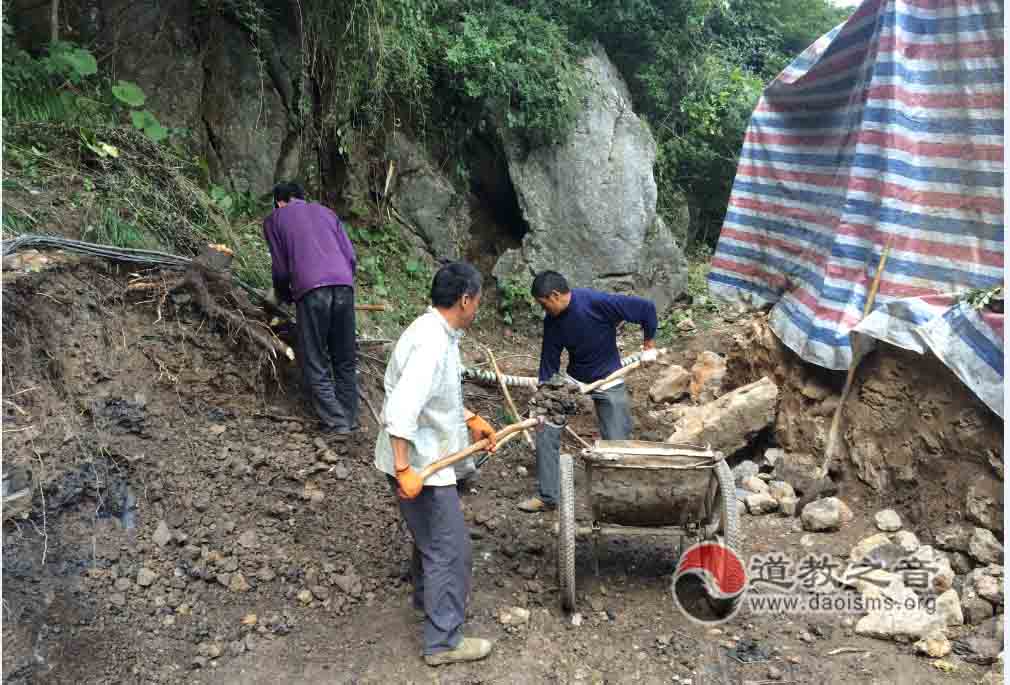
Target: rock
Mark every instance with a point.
(774, 673)
(984, 547)
(590, 202)
(865, 546)
(899, 623)
(706, 377)
(983, 505)
(672, 385)
(117, 599)
(779, 489)
(238, 583)
(211, 650)
(305, 597)
(948, 607)
(686, 325)
(943, 575)
(888, 521)
(146, 577)
(576, 619)
(162, 535)
(744, 470)
(825, 514)
(788, 506)
(761, 503)
(349, 584)
(320, 592)
(984, 644)
(265, 574)
(329, 457)
(961, 563)
(976, 610)
(987, 583)
(935, 645)
(813, 389)
(798, 469)
(248, 539)
(877, 583)
(199, 662)
(729, 423)
(907, 540)
(123, 584)
(954, 538)
(755, 485)
(514, 616)
(236, 648)
(223, 579)
(773, 456)
(341, 472)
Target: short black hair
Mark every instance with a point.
(284, 191)
(547, 282)
(453, 281)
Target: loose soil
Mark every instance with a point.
(185, 490)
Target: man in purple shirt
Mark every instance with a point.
(313, 266)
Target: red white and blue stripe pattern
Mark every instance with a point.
(886, 131)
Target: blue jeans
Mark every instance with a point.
(613, 413)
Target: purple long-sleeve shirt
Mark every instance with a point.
(309, 249)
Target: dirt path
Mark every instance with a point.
(239, 510)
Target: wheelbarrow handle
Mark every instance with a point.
(478, 446)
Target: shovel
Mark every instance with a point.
(586, 388)
(501, 438)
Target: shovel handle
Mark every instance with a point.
(586, 389)
(478, 446)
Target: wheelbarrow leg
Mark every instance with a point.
(596, 552)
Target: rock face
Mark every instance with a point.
(202, 74)
(426, 198)
(590, 202)
(671, 386)
(729, 423)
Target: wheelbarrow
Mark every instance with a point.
(645, 489)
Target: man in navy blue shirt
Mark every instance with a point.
(584, 322)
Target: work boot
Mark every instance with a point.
(468, 649)
(534, 505)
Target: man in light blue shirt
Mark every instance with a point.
(423, 420)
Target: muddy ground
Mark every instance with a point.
(195, 527)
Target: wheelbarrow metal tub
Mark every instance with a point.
(645, 489)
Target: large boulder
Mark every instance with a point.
(731, 422)
(590, 202)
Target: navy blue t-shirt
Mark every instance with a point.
(588, 330)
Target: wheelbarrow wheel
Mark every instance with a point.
(566, 531)
(725, 501)
(722, 503)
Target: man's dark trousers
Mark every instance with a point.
(327, 351)
(440, 567)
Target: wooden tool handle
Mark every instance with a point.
(478, 446)
(370, 307)
(586, 389)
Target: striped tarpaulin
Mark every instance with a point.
(886, 131)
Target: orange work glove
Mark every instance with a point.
(409, 482)
(481, 429)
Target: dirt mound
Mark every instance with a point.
(171, 476)
(911, 429)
